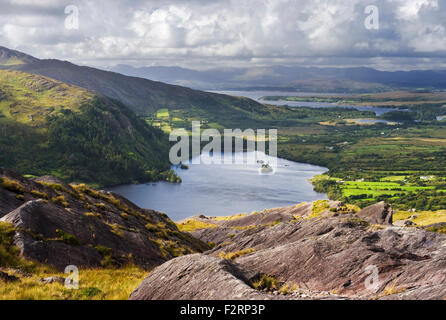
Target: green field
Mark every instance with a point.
(163, 114)
(405, 192)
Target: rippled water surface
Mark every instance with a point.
(224, 189)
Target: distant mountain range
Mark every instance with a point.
(309, 79)
(143, 96)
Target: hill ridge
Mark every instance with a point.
(143, 96)
(52, 127)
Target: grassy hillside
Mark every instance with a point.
(146, 97)
(48, 126)
(142, 96)
(29, 99)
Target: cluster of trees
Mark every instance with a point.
(401, 116)
(422, 200)
(107, 143)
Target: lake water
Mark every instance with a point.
(226, 189)
(256, 95)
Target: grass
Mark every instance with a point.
(9, 254)
(38, 97)
(67, 238)
(11, 185)
(357, 222)
(422, 218)
(374, 189)
(441, 229)
(153, 227)
(162, 113)
(170, 249)
(243, 227)
(266, 282)
(403, 189)
(116, 229)
(38, 194)
(393, 178)
(100, 205)
(192, 225)
(318, 208)
(94, 284)
(92, 215)
(234, 217)
(60, 200)
(236, 254)
(392, 289)
(376, 227)
(284, 289)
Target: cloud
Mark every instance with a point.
(230, 32)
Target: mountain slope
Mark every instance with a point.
(143, 96)
(58, 224)
(47, 126)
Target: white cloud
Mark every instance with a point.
(409, 9)
(200, 31)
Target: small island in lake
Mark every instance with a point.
(266, 168)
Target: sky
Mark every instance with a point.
(201, 34)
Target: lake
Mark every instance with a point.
(226, 189)
(256, 95)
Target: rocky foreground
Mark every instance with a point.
(309, 251)
(319, 250)
(58, 224)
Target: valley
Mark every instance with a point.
(360, 181)
(357, 151)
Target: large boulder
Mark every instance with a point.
(196, 277)
(379, 213)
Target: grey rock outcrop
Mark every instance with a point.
(404, 223)
(50, 280)
(379, 213)
(197, 277)
(330, 253)
(60, 225)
